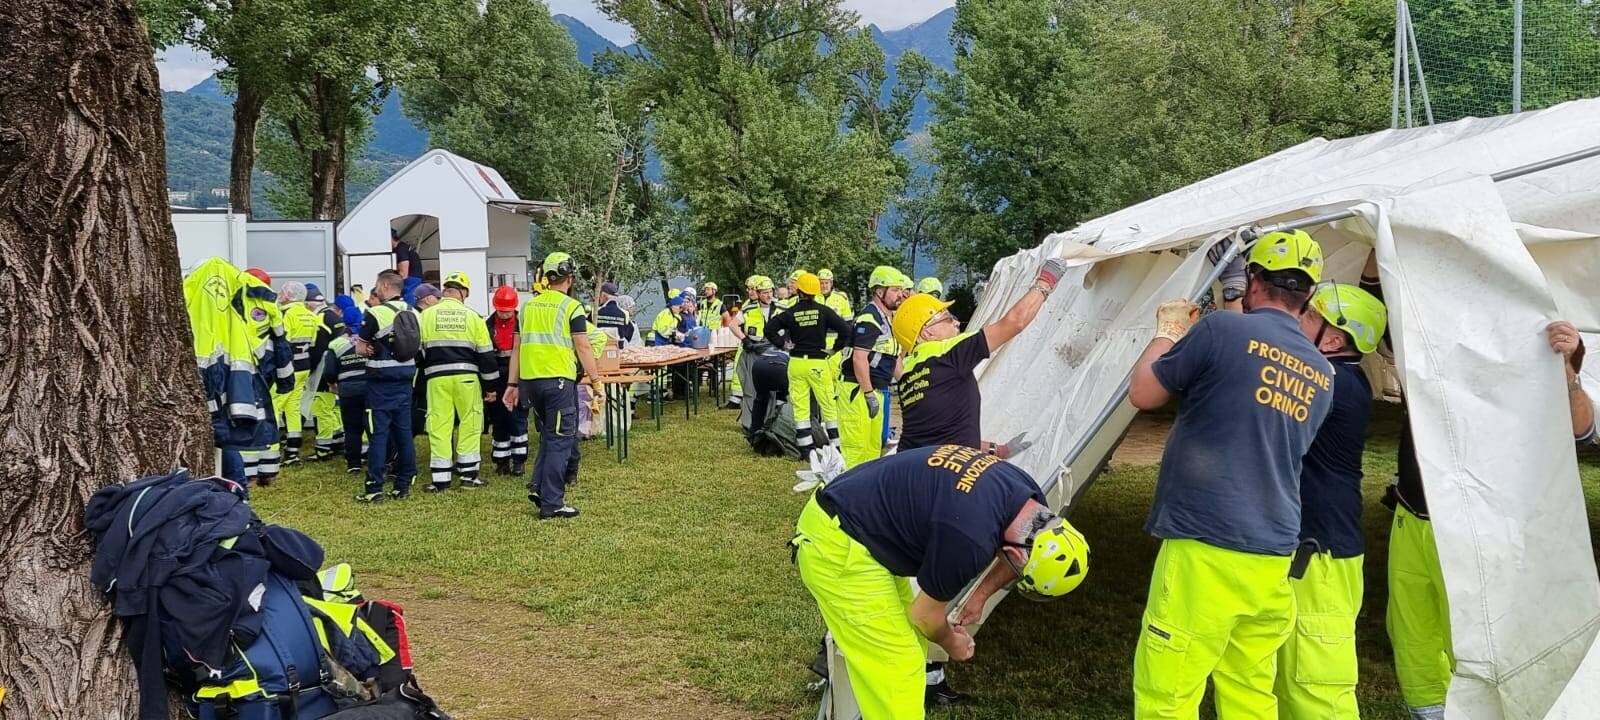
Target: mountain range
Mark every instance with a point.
(199, 121)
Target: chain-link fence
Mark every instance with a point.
(1468, 51)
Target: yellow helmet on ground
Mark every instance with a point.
(1058, 560)
(1291, 250)
(458, 279)
(912, 315)
(884, 276)
(1355, 311)
(824, 274)
(559, 264)
(808, 284)
(930, 285)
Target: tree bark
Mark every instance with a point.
(246, 116)
(328, 158)
(96, 361)
(744, 258)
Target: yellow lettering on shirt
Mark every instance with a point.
(1290, 385)
(968, 464)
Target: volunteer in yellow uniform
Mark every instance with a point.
(553, 344)
(751, 295)
(806, 324)
(457, 359)
(301, 325)
(942, 515)
(836, 299)
(792, 291)
(1317, 668)
(870, 365)
(1254, 390)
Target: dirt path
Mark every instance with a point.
(486, 660)
(1145, 440)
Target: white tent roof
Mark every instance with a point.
(449, 192)
(1473, 270)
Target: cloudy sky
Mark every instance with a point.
(182, 67)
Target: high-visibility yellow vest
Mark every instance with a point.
(546, 349)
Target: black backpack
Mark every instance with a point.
(405, 344)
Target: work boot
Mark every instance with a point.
(265, 479)
(291, 457)
(356, 470)
(942, 695)
(436, 487)
(473, 483)
(399, 494)
(370, 498)
(516, 468)
(561, 513)
(322, 454)
(502, 466)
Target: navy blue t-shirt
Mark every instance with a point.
(934, 513)
(1330, 482)
(1255, 391)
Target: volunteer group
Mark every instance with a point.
(1258, 580)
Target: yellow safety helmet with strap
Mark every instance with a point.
(1058, 560)
(458, 279)
(1357, 312)
(913, 315)
(794, 277)
(930, 285)
(763, 283)
(1289, 250)
(824, 274)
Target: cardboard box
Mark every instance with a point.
(611, 359)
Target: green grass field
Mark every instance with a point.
(673, 595)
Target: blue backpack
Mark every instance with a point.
(281, 674)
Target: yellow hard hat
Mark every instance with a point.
(1357, 312)
(559, 264)
(459, 279)
(1058, 560)
(752, 282)
(884, 276)
(763, 283)
(795, 276)
(824, 274)
(931, 285)
(710, 286)
(1289, 250)
(808, 284)
(912, 315)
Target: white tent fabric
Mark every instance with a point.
(1474, 270)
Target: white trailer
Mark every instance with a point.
(287, 249)
(457, 214)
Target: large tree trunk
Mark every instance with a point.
(246, 116)
(328, 160)
(744, 258)
(96, 362)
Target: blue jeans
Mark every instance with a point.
(390, 403)
(553, 405)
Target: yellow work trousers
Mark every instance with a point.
(1317, 667)
(1419, 614)
(287, 405)
(452, 398)
(860, 434)
(1212, 613)
(811, 378)
(325, 408)
(865, 608)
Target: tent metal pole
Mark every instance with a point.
(1516, 56)
(1557, 161)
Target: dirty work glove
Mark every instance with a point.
(1049, 274)
(1175, 317)
(1233, 276)
(1013, 447)
(873, 405)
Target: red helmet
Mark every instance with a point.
(505, 298)
(260, 275)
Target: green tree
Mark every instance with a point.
(749, 115)
(1061, 110)
(506, 88)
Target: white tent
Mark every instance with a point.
(458, 214)
(1473, 271)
